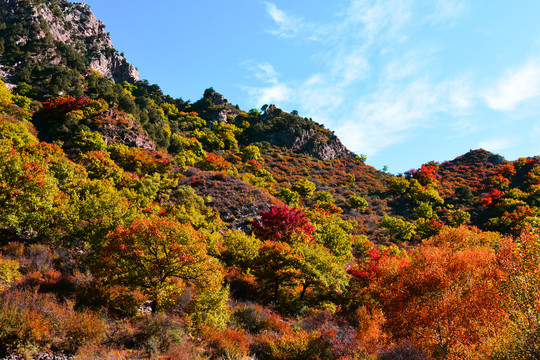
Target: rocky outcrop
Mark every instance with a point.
(301, 134)
(479, 156)
(216, 98)
(311, 142)
(215, 107)
(74, 25)
(120, 128)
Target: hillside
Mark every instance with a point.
(135, 225)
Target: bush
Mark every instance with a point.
(227, 344)
(31, 322)
(304, 187)
(290, 196)
(240, 249)
(159, 333)
(9, 273)
(405, 351)
(253, 318)
(358, 202)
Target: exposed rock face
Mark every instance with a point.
(215, 97)
(479, 156)
(301, 134)
(220, 109)
(308, 142)
(120, 128)
(74, 25)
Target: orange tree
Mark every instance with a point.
(160, 258)
(446, 296)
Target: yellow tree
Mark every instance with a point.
(160, 258)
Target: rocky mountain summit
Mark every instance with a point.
(55, 32)
(303, 135)
(275, 127)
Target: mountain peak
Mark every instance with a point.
(215, 97)
(479, 156)
(55, 32)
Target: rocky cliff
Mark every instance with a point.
(301, 134)
(50, 32)
(276, 127)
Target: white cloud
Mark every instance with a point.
(319, 99)
(515, 87)
(461, 95)
(274, 94)
(377, 18)
(369, 89)
(289, 26)
(393, 113)
(406, 65)
(496, 144)
(446, 11)
(264, 72)
(385, 118)
(350, 67)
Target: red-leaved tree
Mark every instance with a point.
(280, 223)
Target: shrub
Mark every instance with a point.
(227, 344)
(253, 318)
(35, 322)
(358, 202)
(304, 187)
(158, 333)
(9, 273)
(240, 249)
(404, 351)
(290, 196)
(280, 223)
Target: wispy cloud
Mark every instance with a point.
(446, 11)
(264, 72)
(351, 67)
(496, 144)
(376, 19)
(369, 60)
(290, 26)
(274, 94)
(515, 87)
(287, 26)
(391, 115)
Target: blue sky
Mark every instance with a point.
(402, 81)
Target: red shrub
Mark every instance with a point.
(280, 223)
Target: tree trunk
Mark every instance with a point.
(276, 291)
(304, 288)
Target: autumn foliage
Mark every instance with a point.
(159, 257)
(134, 225)
(280, 223)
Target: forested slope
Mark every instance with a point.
(135, 225)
